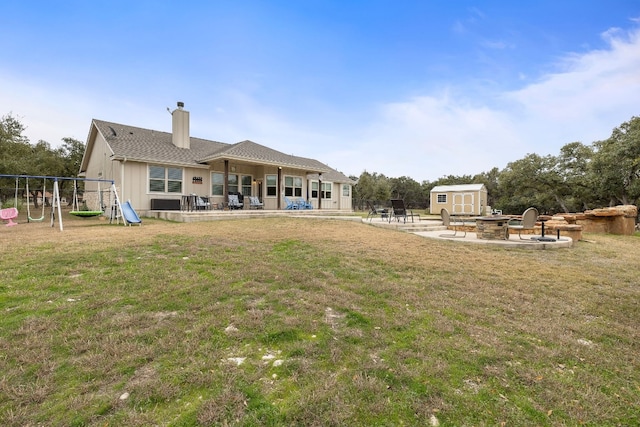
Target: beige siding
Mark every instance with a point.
(132, 180)
(100, 166)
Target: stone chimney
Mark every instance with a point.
(180, 127)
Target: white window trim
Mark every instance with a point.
(166, 179)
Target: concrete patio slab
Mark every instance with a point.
(471, 238)
(433, 229)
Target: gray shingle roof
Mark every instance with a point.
(145, 145)
(251, 151)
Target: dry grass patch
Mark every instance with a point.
(336, 323)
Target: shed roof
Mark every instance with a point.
(457, 188)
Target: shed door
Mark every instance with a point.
(463, 204)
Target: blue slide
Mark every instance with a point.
(129, 214)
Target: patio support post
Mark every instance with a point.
(319, 191)
(225, 187)
(279, 192)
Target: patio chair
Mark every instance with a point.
(234, 202)
(255, 203)
(303, 204)
(447, 222)
(9, 214)
(202, 203)
(398, 210)
(528, 222)
(290, 205)
(373, 211)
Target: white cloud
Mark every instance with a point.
(436, 135)
(52, 111)
(43, 110)
(593, 93)
(424, 137)
(431, 136)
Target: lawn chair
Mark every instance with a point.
(234, 202)
(446, 221)
(255, 203)
(398, 210)
(202, 203)
(303, 204)
(373, 211)
(290, 205)
(528, 221)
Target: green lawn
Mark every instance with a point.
(312, 322)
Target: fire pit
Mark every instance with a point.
(492, 227)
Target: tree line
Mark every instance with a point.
(19, 157)
(580, 177)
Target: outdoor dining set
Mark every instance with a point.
(490, 227)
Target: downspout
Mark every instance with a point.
(122, 195)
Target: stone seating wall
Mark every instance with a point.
(619, 220)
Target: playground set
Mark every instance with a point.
(90, 207)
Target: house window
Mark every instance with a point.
(293, 186)
(217, 184)
(442, 198)
(326, 190)
(246, 185)
(345, 190)
(165, 180)
(272, 185)
(233, 184)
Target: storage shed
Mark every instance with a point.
(462, 199)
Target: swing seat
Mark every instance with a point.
(9, 214)
(86, 214)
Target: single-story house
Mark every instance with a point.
(462, 199)
(154, 169)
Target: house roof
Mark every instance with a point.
(457, 188)
(146, 145)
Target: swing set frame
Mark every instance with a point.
(55, 203)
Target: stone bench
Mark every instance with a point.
(573, 231)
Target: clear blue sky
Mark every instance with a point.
(404, 88)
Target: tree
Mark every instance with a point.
(15, 152)
(382, 189)
(490, 181)
(573, 168)
(72, 152)
(373, 187)
(14, 146)
(616, 164)
(44, 161)
(364, 189)
(532, 181)
(409, 190)
(453, 180)
(19, 157)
